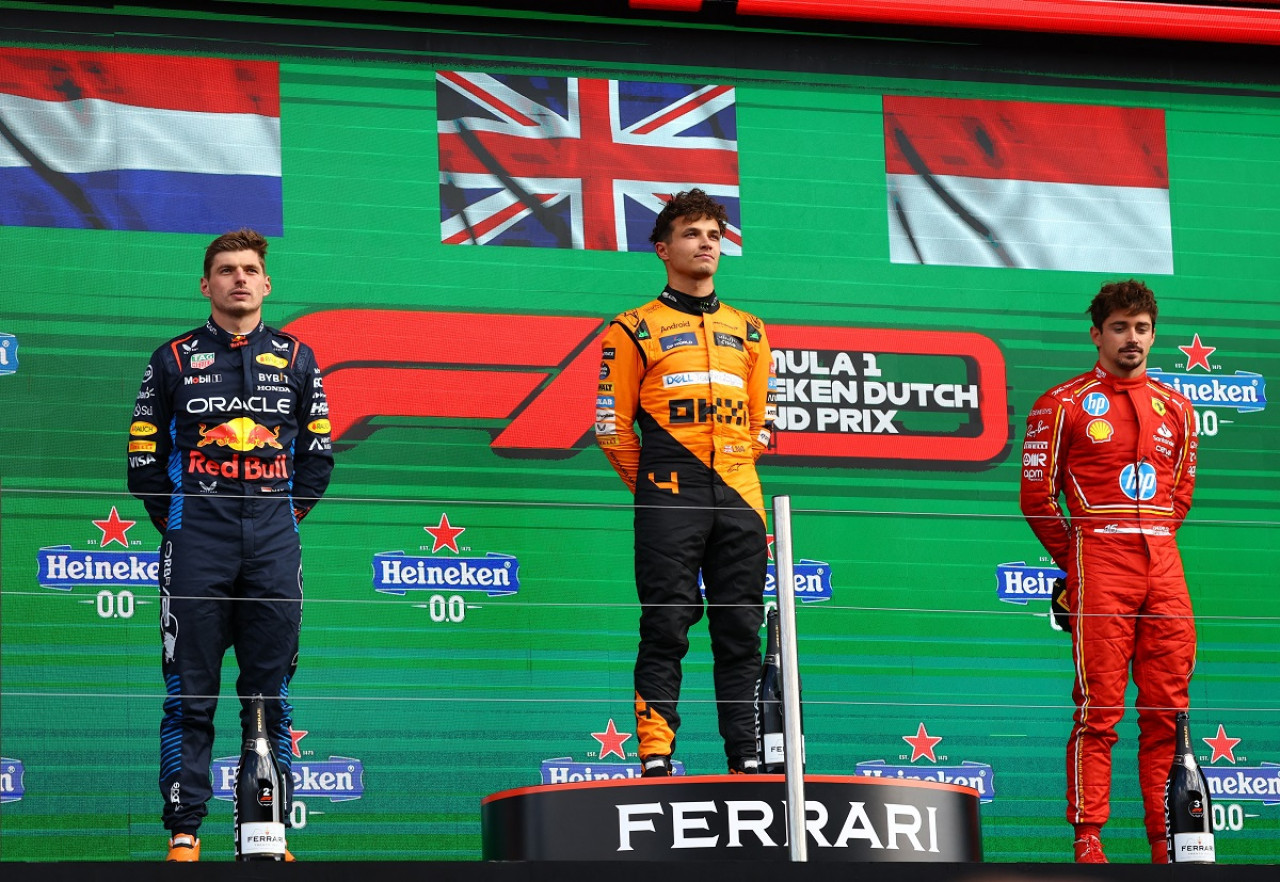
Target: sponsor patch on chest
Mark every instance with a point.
(675, 341)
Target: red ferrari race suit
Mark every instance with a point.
(1123, 452)
(696, 375)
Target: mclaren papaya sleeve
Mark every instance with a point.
(622, 367)
(762, 390)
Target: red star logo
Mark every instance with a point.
(922, 744)
(296, 735)
(768, 542)
(1198, 354)
(113, 529)
(611, 740)
(1223, 747)
(445, 535)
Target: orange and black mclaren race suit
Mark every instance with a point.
(1123, 452)
(229, 447)
(696, 376)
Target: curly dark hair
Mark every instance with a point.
(240, 240)
(1131, 297)
(693, 204)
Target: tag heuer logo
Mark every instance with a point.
(201, 360)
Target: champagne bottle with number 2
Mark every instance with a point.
(258, 821)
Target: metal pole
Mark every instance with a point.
(793, 737)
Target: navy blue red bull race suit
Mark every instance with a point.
(695, 375)
(1123, 453)
(229, 447)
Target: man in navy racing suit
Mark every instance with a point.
(228, 450)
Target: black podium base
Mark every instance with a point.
(732, 817)
(622, 871)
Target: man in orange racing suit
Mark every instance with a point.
(697, 376)
(1122, 448)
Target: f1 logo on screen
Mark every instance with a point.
(909, 396)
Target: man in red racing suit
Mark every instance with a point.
(696, 375)
(1122, 449)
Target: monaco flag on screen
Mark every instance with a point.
(569, 162)
(103, 140)
(1023, 184)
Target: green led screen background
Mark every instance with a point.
(410, 708)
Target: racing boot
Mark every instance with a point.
(656, 766)
(1089, 850)
(184, 848)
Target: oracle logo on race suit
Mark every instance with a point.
(539, 373)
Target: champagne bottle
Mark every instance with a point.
(258, 821)
(1188, 819)
(769, 726)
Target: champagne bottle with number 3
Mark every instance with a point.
(1188, 819)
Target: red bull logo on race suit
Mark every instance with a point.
(240, 433)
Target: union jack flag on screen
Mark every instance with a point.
(566, 162)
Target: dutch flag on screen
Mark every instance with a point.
(1027, 184)
(103, 140)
